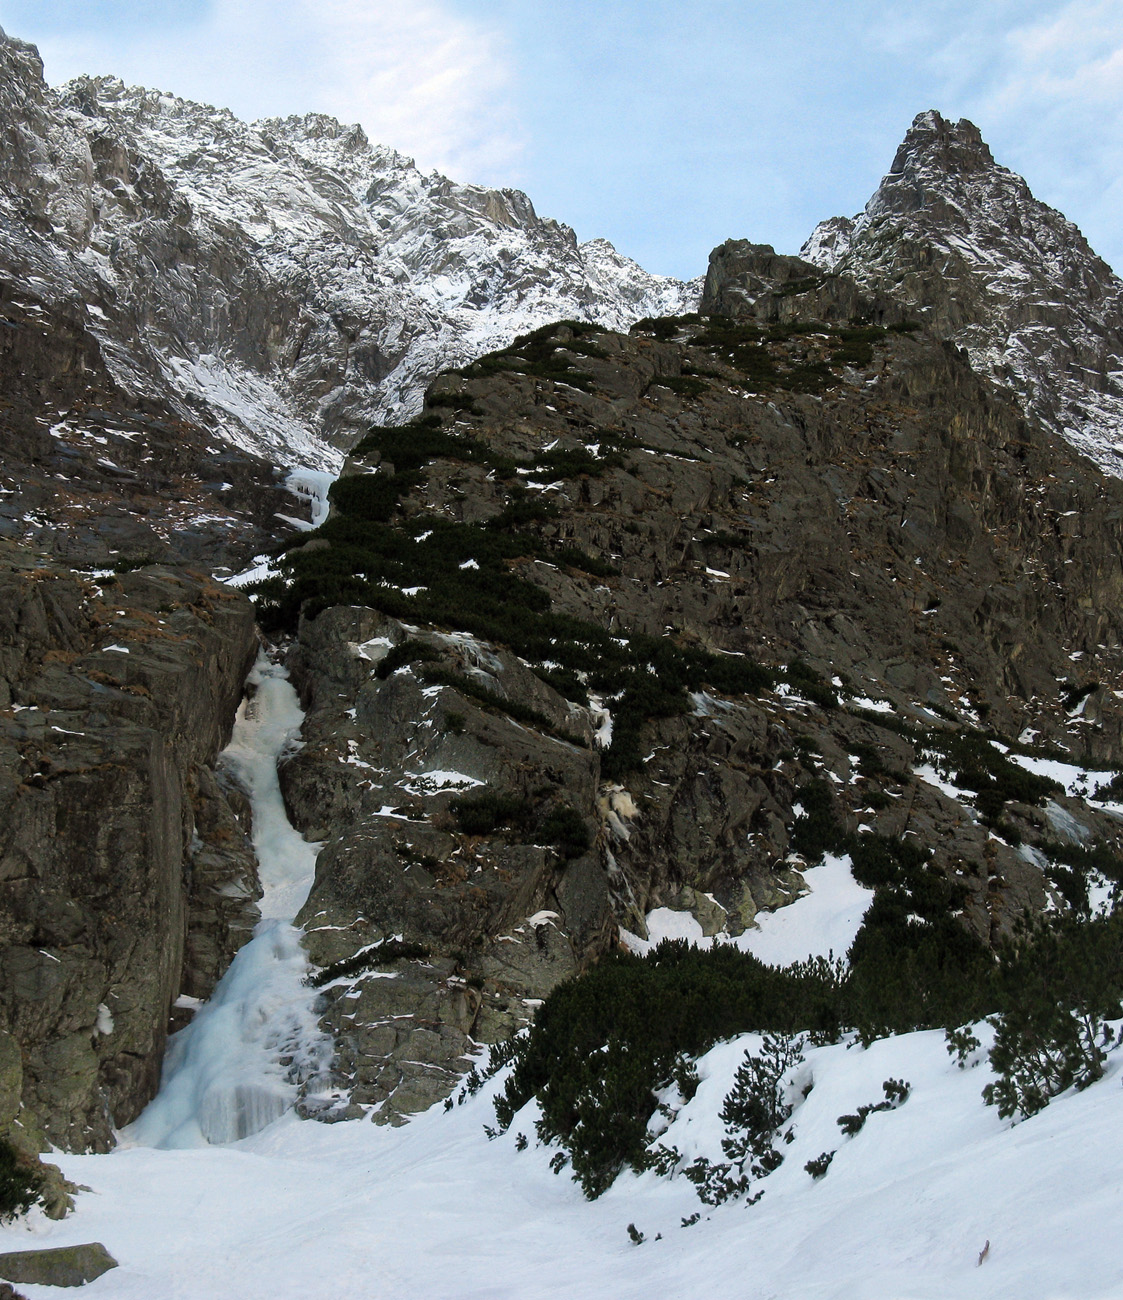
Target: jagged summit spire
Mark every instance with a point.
(952, 146)
(964, 244)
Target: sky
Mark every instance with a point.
(663, 126)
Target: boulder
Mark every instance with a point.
(59, 1266)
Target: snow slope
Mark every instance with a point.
(435, 1210)
(822, 923)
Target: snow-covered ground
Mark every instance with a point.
(939, 1198)
(436, 1211)
(821, 923)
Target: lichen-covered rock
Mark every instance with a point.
(58, 1265)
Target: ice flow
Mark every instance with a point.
(239, 1064)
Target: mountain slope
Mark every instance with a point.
(608, 580)
(962, 242)
(288, 283)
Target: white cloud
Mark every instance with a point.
(1075, 58)
(418, 76)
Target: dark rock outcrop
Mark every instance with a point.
(115, 851)
(833, 498)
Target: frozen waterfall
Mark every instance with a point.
(237, 1066)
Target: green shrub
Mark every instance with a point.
(665, 327)
(483, 814)
(818, 1167)
(975, 764)
(601, 1044)
(378, 954)
(463, 401)
(21, 1183)
(1057, 989)
(566, 830)
(817, 830)
(811, 684)
(755, 1108)
(896, 1094)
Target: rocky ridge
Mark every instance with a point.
(285, 284)
(848, 504)
(963, 243)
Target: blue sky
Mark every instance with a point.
(666, 127)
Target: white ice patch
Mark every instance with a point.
(1074, 780)
(819, 924)
(927, 773)
(873, 706)
(602, 722)
(261, 568)
(436, 780)
(1065, 825)
(374, 650)
(312, 486)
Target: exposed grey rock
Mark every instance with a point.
(381, 761)
(117, 697)
(899, 525)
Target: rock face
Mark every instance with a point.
(284, 284)
(966, 247)
(124, 878)
(492, 925)
(784, 484)
(605, 629)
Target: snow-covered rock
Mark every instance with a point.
(289, 281)
(963, 242)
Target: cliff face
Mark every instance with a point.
(125, 879)
(619, 621)
(641, 520)
(962, 242)
(189, 307)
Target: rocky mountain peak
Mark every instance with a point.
(962, 242)
(949, 147)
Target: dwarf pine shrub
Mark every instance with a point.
(1058, 987)
(21, 1183)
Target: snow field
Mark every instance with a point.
(435, 1210)
(819, 924)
